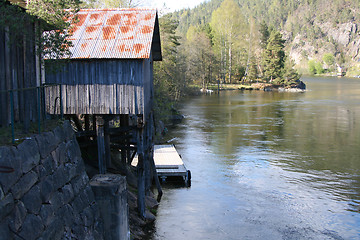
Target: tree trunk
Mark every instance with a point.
(230, 62)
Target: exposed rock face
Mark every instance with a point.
(342, 33)
(343, 37)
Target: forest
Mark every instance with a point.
(229, 41)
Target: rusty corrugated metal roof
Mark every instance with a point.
(115, 33)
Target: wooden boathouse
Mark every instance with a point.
(20, 67)
(109, 78)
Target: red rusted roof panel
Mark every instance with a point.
(113, 33)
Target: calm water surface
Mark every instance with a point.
(268, 165)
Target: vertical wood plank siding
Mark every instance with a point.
(116, 86)
(17, 71)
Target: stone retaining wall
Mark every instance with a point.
(48, 195)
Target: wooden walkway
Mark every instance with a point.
(168, 163)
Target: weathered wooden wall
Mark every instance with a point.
(17, 71)
(119, 86)
(148, 85)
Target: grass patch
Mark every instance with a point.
(227, 86)
(21, 135)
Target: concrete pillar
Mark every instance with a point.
(111, 196)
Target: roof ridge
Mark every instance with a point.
(117, 9)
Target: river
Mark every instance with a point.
(268, 165)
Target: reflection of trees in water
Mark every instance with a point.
(323, 134)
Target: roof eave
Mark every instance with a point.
(156, 42)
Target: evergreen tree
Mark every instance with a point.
(253, 70)
(274, 57)
(290, 74)
(264, 34)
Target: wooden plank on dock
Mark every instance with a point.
(167, 161)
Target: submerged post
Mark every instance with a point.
(111, 196)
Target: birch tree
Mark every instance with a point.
(200, 58)
(229, 29)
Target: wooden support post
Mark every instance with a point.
(107, 141)
(124, 123)
(148, 153)
(94, 122)
(101, 144)
(156, 178)
(141, 169)
(87, 122)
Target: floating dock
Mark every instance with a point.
(168, 163)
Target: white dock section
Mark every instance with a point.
(168, 162)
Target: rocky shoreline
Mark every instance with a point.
(273, 87)
(141, 228)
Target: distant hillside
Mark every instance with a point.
(311, 28)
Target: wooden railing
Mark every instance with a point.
(41, 113)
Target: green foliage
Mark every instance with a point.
(253, 70)
(169, 78)
(228, 27)
(264, 34)
(192, 31)
(329, 59)
(47, 15)
(315, 67)
(52, 11)
(240, 72)
(200, 59)
(274, 57)
(290, 74)
(319, 68)
(312, 66)
(246, 33)
(15, 19)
